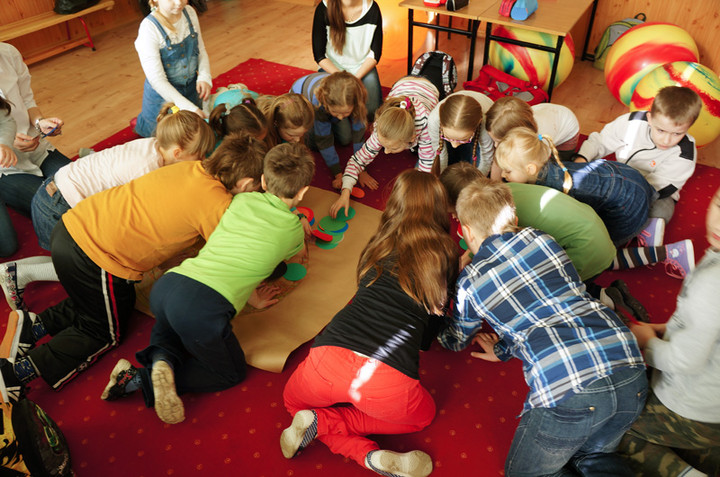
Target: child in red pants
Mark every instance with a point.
(368, 355)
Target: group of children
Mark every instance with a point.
(535, 246)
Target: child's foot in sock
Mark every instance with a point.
(168, 405)
(300, 434)
(410, 464)
(123, 381)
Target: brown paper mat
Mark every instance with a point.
(269, 336)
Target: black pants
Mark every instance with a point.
(87, 323)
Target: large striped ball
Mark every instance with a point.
(641, 49)
(527, 63)
(697, 77)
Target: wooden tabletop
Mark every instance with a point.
(556, 17)
(472, 11)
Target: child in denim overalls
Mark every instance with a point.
(173, 57)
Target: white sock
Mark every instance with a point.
(35, 269)
(606, 300)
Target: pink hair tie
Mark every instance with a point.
(404, 103)
(247, 101)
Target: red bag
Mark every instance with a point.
(495, 84)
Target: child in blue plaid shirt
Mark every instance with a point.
(583, 366)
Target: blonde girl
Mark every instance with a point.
(347, 36)
(340, 113)
(289, 117)
(173, 58)
(181, 136)
(619, 194)
(242, 117)
(403, 276)
(458, 134)
(400, 123)
(548, 119)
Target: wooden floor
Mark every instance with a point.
(97, 93)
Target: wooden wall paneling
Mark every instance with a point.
(124, 11)
(701, 18)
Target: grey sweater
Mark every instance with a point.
(687, 360)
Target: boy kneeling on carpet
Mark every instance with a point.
(192, 344)
(583, 366)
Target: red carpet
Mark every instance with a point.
(236, 432)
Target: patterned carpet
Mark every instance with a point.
(236, 432)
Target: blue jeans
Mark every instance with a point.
(580, 434)
(180, 61)
(46, 212)
(192, 328)
(374, 91)
(619, 194)
(17, 191)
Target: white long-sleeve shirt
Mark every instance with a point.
(148, 44)
(108, 168)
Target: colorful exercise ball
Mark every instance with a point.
(697, 77)
(527, 63)
(640, 50)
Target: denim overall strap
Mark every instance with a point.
(180, 62)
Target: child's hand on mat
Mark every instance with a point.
(366, 180)
(7, 156)
(264, 296)
(343, 202)
(26, 143)
(487, 343)
(203, 90)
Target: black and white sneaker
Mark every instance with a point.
(9, 284)
(120, 376)
(11, 388)
(19, 337)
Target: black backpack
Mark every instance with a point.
(31, 443)
(439, 68)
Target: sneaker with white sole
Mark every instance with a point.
(300, 434)
(653, 234)
(19, 337)
(9, 285)
(168, 405)
(11, 388)
(392, 464)
(680, 258)
(120, 376)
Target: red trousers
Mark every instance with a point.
(381, 400)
